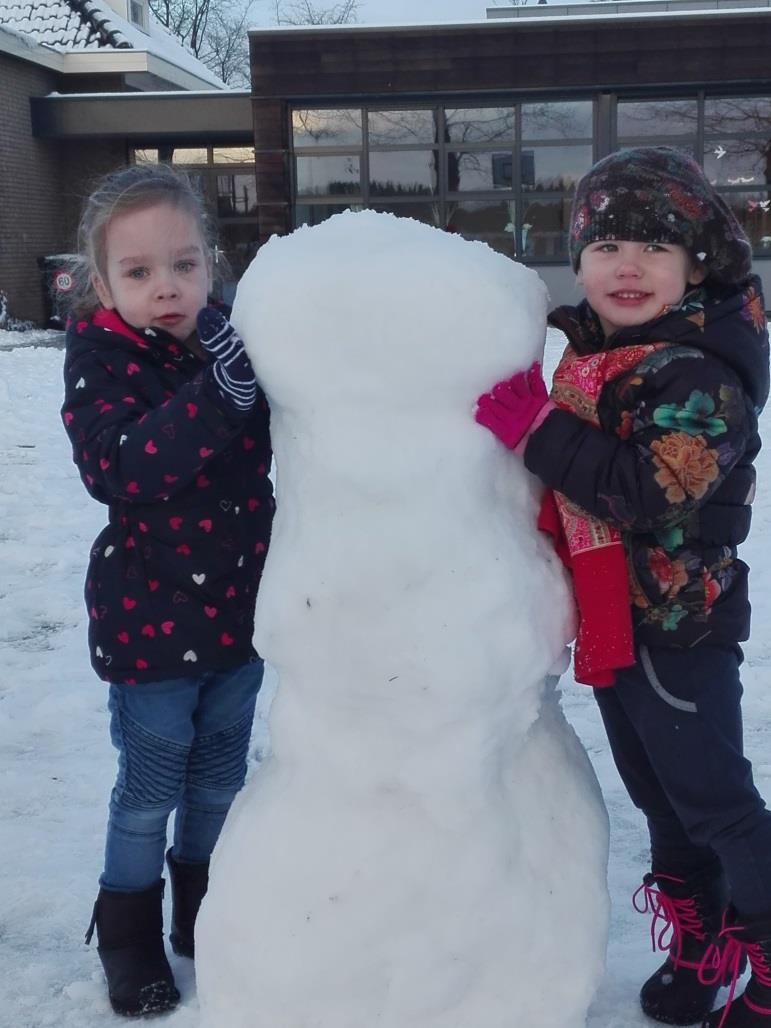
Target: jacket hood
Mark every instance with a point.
(728, 322)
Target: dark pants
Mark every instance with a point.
(674, 725)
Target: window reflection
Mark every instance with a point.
(404, 172)
(479, 170)
(753, 212)
(317, 128)
(325, 176)
(190, 155)
(737, 114)
(558, 120)
(236, 195)
(390, 128)
(555, 168)
(737, 144)
(479, 125)
(737, 162)
(545, 229)
(145, 156)
(659, 118)
(475, 147)
(233, 155)
(491, 221)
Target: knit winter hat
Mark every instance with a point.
(656, 194)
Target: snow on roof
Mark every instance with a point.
(75, 26)
(63, 24)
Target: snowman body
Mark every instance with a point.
(426, 842)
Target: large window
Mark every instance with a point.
(737, 158)
(730, 136)
(504, 174)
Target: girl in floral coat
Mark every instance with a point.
(647, 446)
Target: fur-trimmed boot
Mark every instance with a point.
(686, 922)
(129, 930)
(741, 939)
(189, 883)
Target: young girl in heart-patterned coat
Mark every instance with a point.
(170, 431)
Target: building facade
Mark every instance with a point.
(52, 51)
(481, 129)
(484, 129)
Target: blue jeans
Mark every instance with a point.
(674, 724)
(182, 745)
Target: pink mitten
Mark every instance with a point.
(510, 408)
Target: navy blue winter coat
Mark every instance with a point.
(672, 463)
(173, 577)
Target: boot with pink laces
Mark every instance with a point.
(741, 939)
(686, 920)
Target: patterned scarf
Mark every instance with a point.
(591, 548)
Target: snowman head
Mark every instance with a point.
(371, 308)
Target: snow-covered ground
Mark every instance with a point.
(58, 764)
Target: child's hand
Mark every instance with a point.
(232, 370)
(511, 406)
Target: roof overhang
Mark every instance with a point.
(123, 61)
(145, 117)
(16, 45)
(106, 60)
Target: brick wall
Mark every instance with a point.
(42, 183)
(29, 170)
(83, 162)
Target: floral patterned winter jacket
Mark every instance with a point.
(173, 577)
(672, 463)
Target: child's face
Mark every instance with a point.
(629, 283)
(157, 272)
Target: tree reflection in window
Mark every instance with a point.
(549, 120)
(402, 128)
(737, 140)
(327, 128)
(473, 164)
(736, 154)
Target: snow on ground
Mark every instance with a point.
(58, 765)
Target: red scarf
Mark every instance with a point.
(591, 548)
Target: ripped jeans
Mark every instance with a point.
(182, 745)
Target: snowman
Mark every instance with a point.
(425, 846)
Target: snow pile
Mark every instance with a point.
(427, 844)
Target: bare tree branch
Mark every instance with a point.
(215, 31)
(306, 12)
(227, 46)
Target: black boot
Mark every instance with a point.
(686, 921)
(189, 883)
(743, 939)
(129, 929)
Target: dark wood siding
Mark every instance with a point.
(375, 63)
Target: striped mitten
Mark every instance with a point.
(232, 370)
